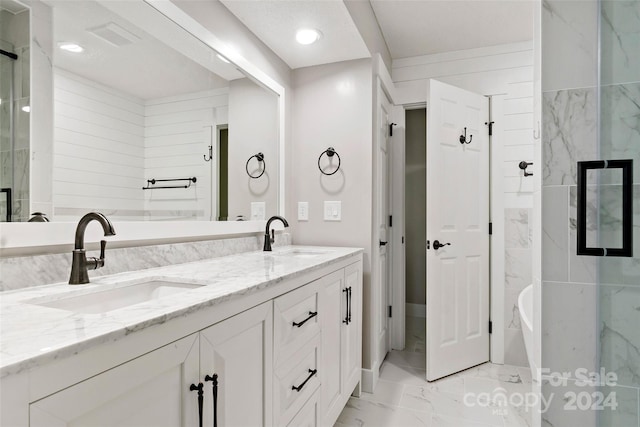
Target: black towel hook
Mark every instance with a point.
(330, 153)
(208, 159)
(523, 165)
(260, 158)
(463, 138)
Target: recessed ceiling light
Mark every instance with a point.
(71, 47)
(26, 109)
(223, 59)
(308, 35)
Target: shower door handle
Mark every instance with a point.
(627, 208)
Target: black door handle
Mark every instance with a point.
(214, 380)
(383, 243)
(437, 245)
(199, 388)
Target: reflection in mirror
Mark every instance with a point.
(147, 105)
(14, 111)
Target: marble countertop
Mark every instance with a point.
(32, 334)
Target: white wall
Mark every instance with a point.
(178, 131)
(365, 19)
(333, 108)
(99, 149)
(253, 128)
(506, 73)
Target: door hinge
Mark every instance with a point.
(490, 124)
(490, 228)
(390, 220)
(428, 244)
(490, 327)
(390, 315)
(403, 240)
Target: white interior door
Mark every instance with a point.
(458, 217)
(382, 207)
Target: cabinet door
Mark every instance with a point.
(239, 351)
(352, 332)
(332, 312)
(152, 390)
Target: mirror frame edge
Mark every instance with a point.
(24, 238)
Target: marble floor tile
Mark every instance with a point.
(403, 397)
(363, 413)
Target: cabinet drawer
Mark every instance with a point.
(295, 321)
(309, 415)
(295, 381)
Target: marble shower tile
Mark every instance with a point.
(582, 269)
(626, 409)
(569, 133)
(511, 311)
(555, 233)
(517, 268)
(569, 326)
(620, 122)
(557, 414)
(569, 36)
(620, 41)
(516, 228)
(619, 270)
(619, 332)
(515, 352)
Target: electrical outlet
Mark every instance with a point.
(303, 211)
(258, 210)
(333, 211)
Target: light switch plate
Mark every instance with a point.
(332, 211)
(258, 210)
(303, 211)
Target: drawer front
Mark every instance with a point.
(295, 380)
(296, 320)
(309, 415)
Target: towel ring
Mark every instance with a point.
(330, 153)
(260, 158)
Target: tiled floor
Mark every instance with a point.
(487, 395)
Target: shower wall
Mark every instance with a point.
(589, 304)
(14, 137)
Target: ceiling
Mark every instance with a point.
(275, 22)
(415, 28)
(144, 67)
(410, 27)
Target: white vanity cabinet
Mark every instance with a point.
(340, 296)
(151, 390)
(155, 389)
(288, 354)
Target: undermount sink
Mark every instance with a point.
(102, 301)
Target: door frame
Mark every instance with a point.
(496, 240)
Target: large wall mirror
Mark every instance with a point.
(148, 122)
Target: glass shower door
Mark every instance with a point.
(7, 158)
(618, 205)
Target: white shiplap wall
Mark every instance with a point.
(107, 144)
(506, 73)
(178, 131)
(99, 149)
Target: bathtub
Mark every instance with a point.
(525, 307)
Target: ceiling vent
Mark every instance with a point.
(114, 34)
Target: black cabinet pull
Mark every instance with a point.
(312, 314)
(214, 381)
(627, 208)
(199, 388)
(346, 309)
(383, 243)
(312, 372)
(350, 300)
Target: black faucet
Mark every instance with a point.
(81, 263)
(268, 240)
